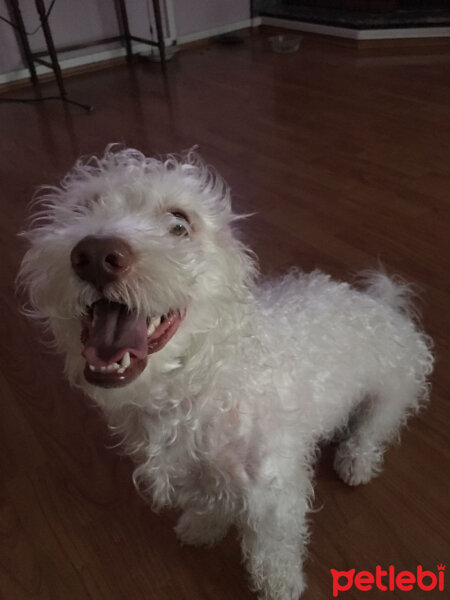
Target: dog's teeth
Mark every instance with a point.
(154, 323)
(105, 368)
(121, 370)
(126, 361)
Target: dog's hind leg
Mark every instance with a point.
(359, 457)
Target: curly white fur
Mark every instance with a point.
(225, 420)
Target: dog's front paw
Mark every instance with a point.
(356, 466)
(290, 592)
(200, 530)
(276, 574)
(290, 587)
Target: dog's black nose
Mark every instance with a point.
(101, 260)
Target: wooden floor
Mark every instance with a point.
(344, 158)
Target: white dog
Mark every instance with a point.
(220, 386)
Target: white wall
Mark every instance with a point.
(193, 16)
(84, 21)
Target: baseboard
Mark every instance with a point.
(211, 33)
(67, 64)
(359, 34)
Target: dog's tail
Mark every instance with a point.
(392, 291)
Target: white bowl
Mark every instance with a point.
(284, 43)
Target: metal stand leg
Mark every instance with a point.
(40, 6)
(14, 9)
(51, 48)
(160, 34)
(128, 37)
(126, 28)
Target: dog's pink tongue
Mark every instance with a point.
(114, 331)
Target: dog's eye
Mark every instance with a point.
(178, 229)
(180, 224)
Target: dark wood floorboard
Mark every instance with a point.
(344, 158)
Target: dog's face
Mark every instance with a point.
(129, 257)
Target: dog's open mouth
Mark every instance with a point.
(117, 341)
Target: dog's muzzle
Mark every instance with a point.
(101, 260)
(117, 340)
